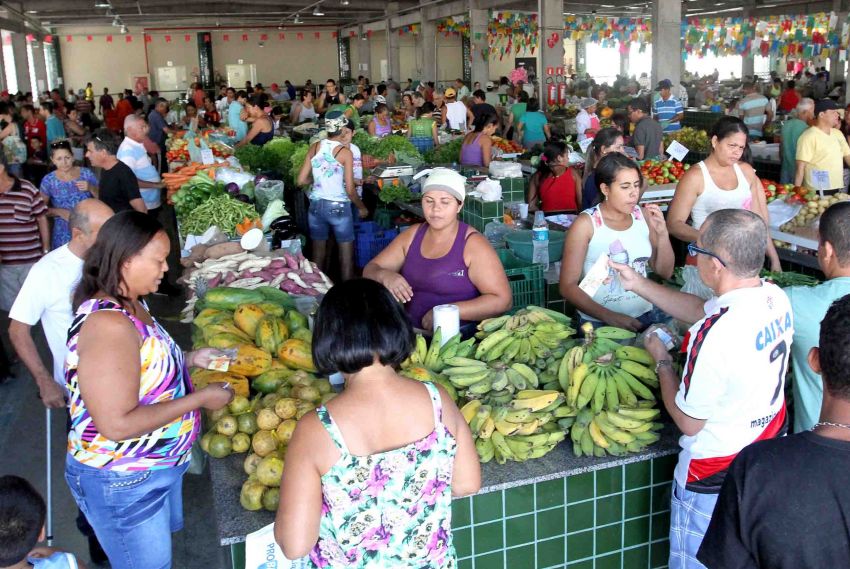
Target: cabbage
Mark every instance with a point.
(274, 210)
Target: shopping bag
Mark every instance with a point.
(263, 552)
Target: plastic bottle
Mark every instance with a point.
(618, 254)
(540, 240)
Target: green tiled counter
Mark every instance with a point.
(555, 512)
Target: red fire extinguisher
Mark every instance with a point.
(562, 91)
(551, 92)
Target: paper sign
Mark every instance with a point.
(262, 551)
(630, 152)
(677, 150)
(585, 144)
(595, 276)
(820, 178)
(207, 156)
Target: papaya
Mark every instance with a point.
(224, 341)
(210, 316)
(295, 320)
(229, 298)
(203, 377)
(296, 354)
(247, 317)
(271, 333)
(277, 364)
(250, 361)
(301, 334)
(271, 380)
(198, 339)
(272, 309)
(224, 327)
(276, 295)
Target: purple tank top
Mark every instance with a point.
(436, 281)
(472, 154)
(382, 131)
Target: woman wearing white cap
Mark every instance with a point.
(443, 261)
(587, 123)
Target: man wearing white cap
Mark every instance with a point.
(492, 95)
(587, 123)
(443, 261)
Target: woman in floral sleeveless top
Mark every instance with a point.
(369, 477)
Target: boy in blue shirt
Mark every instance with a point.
(22, 513)
(55, 128)
(667, 109)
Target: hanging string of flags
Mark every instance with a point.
(187, 38)
(609, 31)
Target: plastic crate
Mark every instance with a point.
(525, 279)
(384, 216)
(369, 240)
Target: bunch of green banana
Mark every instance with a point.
(494, 382)
(533, 336)
(433, 357)
(616, 433)
(526, 427)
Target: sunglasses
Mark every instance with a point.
(694, 250)
(60, 144)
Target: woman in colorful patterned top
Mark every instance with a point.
(64, 188)
(134, 412)
(369, 477)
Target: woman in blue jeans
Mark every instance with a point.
(134, 413)
(331, 165)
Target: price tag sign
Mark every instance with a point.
(677, 150)
(585, 144)
(820, 178)
(207, 156)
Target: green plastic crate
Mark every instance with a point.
(525, 279)
(384, 216)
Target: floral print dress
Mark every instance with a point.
(65, 195)
(391, 509)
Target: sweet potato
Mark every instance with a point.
(222, 249)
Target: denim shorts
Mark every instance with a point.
(133, 513)
(324, 216)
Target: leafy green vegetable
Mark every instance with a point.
(392, 193)
(383, 147)
(445, 153)
(250, 157)
(222, 211)
(297, 160)
(789, 278)
(195, 192)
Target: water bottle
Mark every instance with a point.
(540, 240)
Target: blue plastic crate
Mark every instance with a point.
(369, 240)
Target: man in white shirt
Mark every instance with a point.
(461, 89)
(732, 389)
(133, 153)
(46, 297)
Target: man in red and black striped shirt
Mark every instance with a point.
(732, 390)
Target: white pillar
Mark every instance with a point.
(428, 43)
(478, 40)
(393, 57)
(551, 20)
(19, 49)
(361, 55)
(748, 66)
(40, 66)
(624, 63)
(666, 40)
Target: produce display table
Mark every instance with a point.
(702, 120)
(614, 511)
(805, 240)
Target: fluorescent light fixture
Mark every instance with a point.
(102, 5)
(344, 2)
(32, 11)
(317, 11)
(123, 29)
(297, 19)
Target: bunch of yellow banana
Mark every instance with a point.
(631, 429)
(532, 336)
(433, 357)
(522, 429)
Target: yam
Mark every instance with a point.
(223, 249)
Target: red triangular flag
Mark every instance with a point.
(226, 37)
(206, 38)
(167, 39)
(281, 36)
(148, 38)
(108, 39)
(128, 39)
(187, 38)
(264, 37)
(334, 35)
(317, 35)
(88, 38)
(299, 35)
(69, 38)
(244, 37)
(48, 39)
(352, 34)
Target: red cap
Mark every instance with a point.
(274, 86)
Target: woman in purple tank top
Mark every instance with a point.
(477, 145)
(443, 261)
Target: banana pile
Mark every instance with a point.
(610, 388)
(433, 357)
(521, 429)
(532, 336)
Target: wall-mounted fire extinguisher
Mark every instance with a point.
(551, 92)
(562, 91)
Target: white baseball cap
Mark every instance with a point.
(444, 180)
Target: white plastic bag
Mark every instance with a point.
(227, 175)
(779, 212)
(489, 190)
(503, 169)
(693, 283)
(263, 552)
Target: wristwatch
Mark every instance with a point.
(663, 363)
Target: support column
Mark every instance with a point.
(666, 40)
(40, 66)
(748, 61)
(361, 54)
(393, 56)
(480, 65)
(551, 20)
(624, 63)
(428, 44)
(19, 48)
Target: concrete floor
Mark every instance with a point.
(23, 448)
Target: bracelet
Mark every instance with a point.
(663, 363)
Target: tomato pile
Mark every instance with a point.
(657, 172)
(788, 192)
(507, 146)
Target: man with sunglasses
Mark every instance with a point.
(731, 393)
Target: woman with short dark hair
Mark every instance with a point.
(366, 452)
(134, 411)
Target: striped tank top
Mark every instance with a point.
(163, 378)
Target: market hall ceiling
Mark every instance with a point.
(228, 13)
